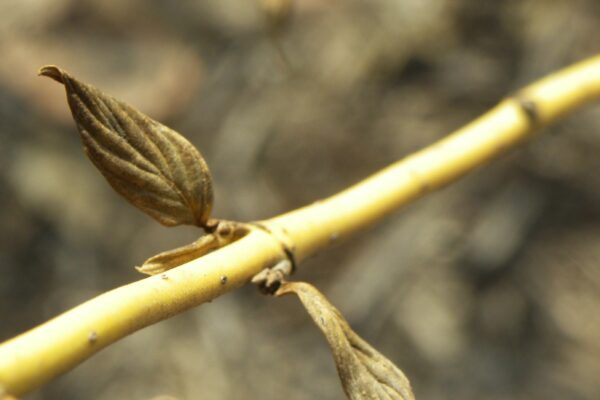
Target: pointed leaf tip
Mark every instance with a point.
(53, 72)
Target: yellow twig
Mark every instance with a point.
(35, 357)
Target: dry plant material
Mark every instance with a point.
(269, 279)
(225, 233)
(364, 372)
(153, 167)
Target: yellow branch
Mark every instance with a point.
(35, 357)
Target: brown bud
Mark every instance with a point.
(153, 167)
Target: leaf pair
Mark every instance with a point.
(365, 373)
(152, 166)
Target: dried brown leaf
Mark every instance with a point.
(226, 232)
(152, 166)
(172, 258)
(364, 372)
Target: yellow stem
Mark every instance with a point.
(35, 357)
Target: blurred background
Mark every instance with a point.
(489, 288)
